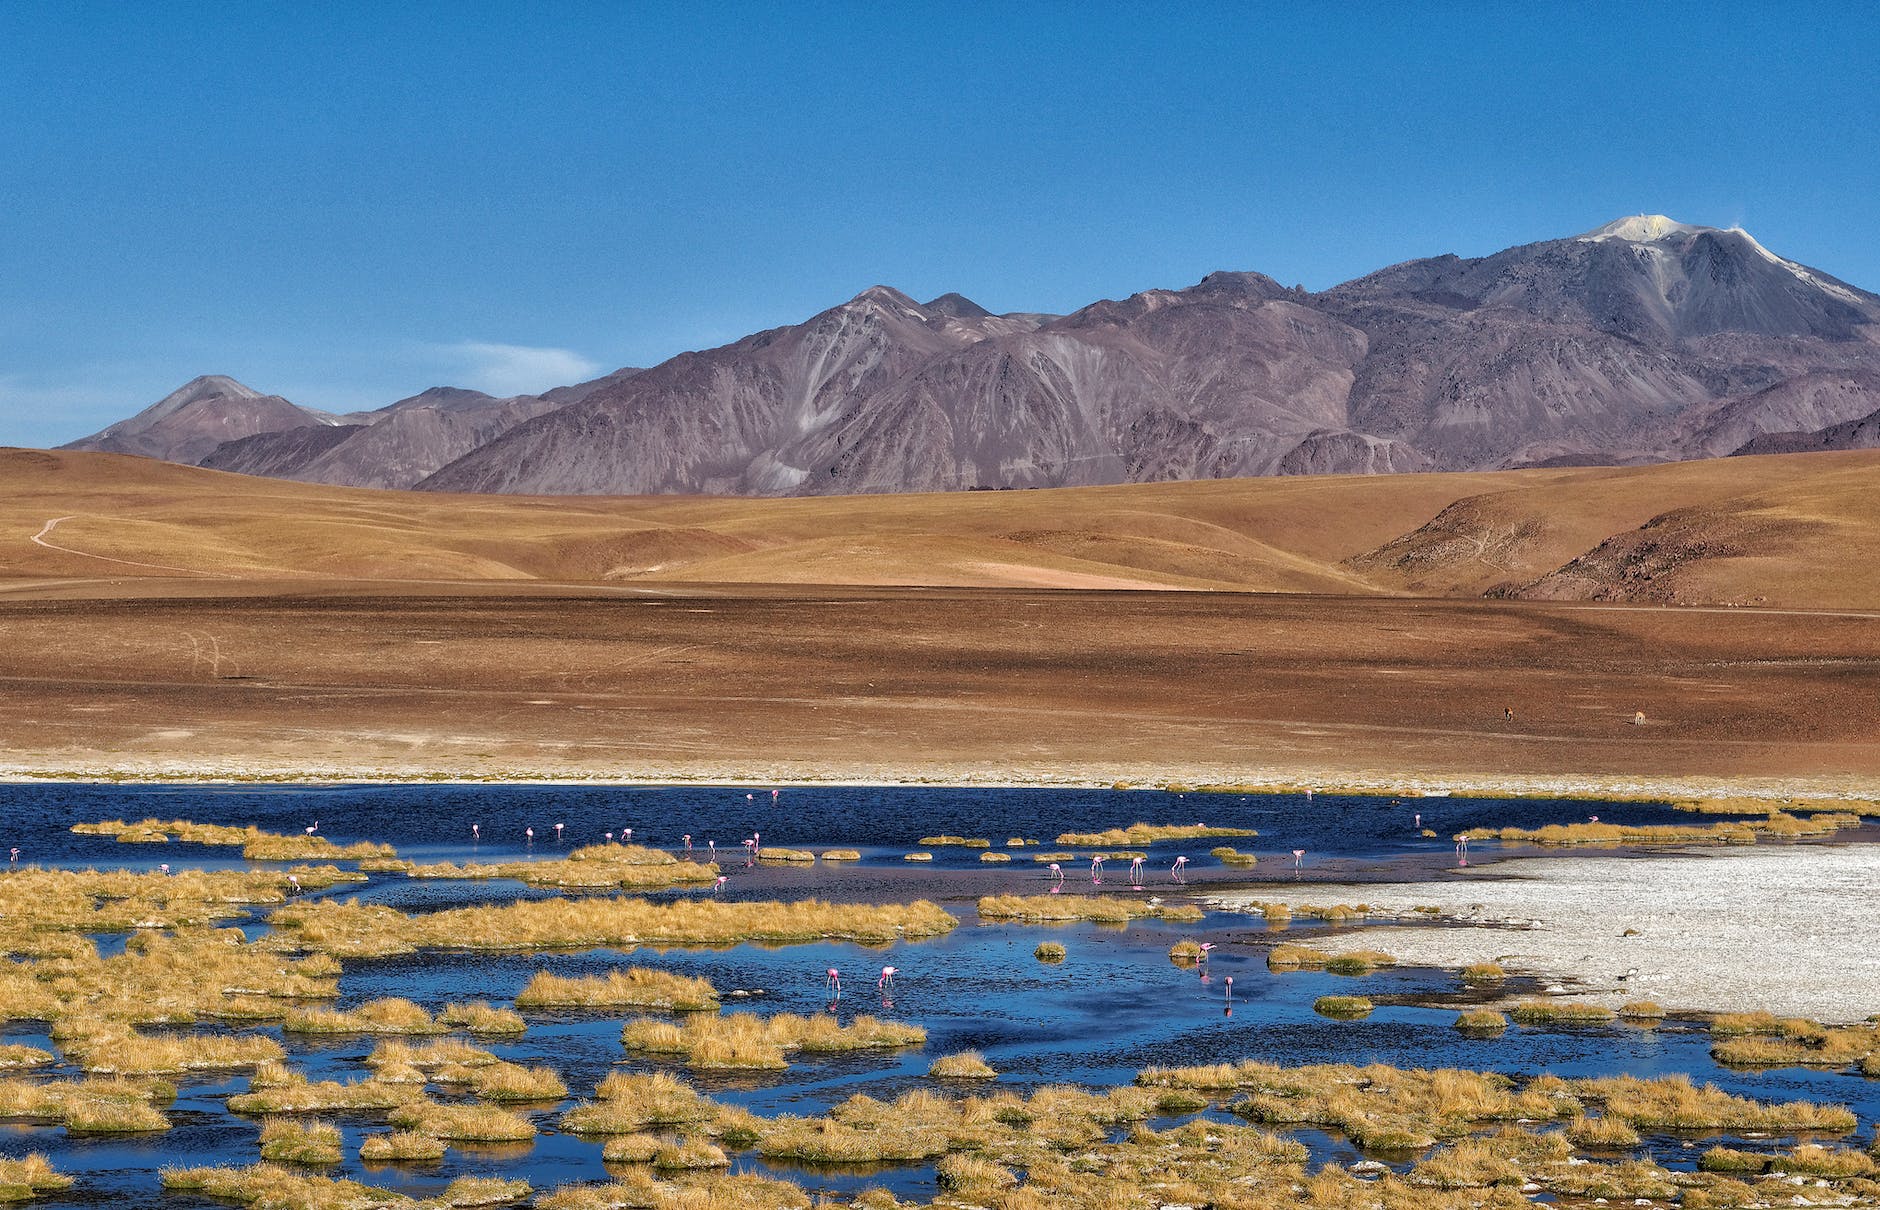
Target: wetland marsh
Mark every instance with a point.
(685, 1043)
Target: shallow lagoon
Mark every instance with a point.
(1114, 1006)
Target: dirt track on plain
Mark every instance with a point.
(805, 684)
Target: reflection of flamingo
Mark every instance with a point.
(1057, 872)
(886, 982)
(1299, 855)
(1181, 863)
(834, 982)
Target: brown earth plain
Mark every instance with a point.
(165, 621)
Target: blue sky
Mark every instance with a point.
(346, 203)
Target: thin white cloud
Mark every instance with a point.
(500, 369)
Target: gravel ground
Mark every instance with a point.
(1788, 929)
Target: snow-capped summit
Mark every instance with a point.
(1643, 229)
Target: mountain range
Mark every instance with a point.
(1645, 340)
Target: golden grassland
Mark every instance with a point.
(965, 1065)
(744, 1040)
(635, 987)
(353, 930)
(592, 867)
(256, 845)
(1054, 909)
(29, 1176)
(1138, 835)
(268, 1185)
(1778, 825)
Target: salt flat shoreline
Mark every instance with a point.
(1786, 929)
(1239, 781)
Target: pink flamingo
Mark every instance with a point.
(719, 885)
(558, 828)
(1419, 819)
(1135, 872)
(711, 848)
(1229, 998)
(834, 982)
(688, 842)
(1181, 864)
(313, 827)
(530, 833)
(750, 798)
(1592, 819)
(1462, 847)
(886, 982)
(757, 838)
(475, 834)
(1057, 872)
(1299, 855)
(1205, 947)
(293, 880)
(165, 867)
(626, 835)
(773, 795)
(14, 856)
(1096, 868)
(610, 838)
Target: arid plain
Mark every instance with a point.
(163, 620)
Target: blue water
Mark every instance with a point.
(1113, 1007)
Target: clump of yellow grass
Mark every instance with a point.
(1138, 834)
(965, 1065)
(744, 1040)
(1080, 907)
(374, 930)
(635, 987)
(287, 1141)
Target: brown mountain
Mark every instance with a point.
(191, 421)
(1644, 340)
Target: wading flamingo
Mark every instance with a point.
(1135, 873)
(165, 867)
(750, 798)
(313, 827)
(1096, 867)
(1299, 855)
(610, 838)
(1176, 870)
(530, 833)
(886, 982)
(688, 841)
(1057, 872)
(558, 828)
(1419, 819)
(1205, 947)
(719, 885)
(711, 848)
(626, 836)
(834, 982)
(14, 856)
(475, 833)
(294, 881)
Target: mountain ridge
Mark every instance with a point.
(1642, 340)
